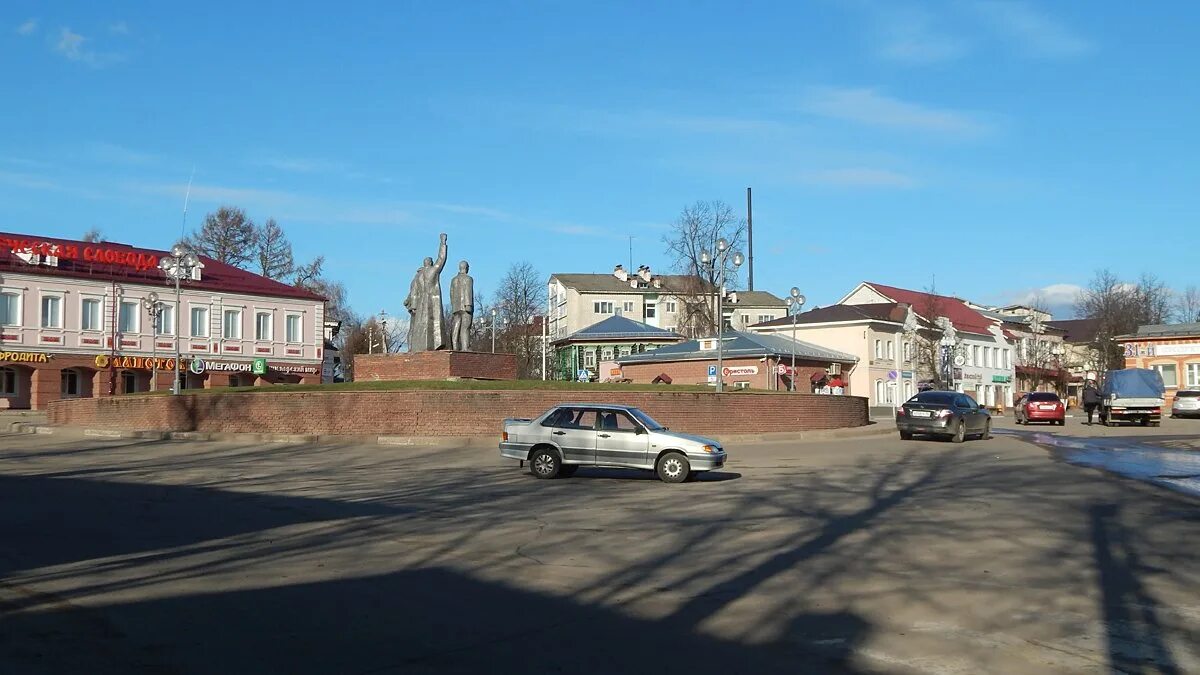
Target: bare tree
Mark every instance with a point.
(1035, 354)
(696, 231)
(1187, 305)
(520, 296)
(930, 360)
(273, 251)
(1119, 308)
(93, 236)
(226, 236)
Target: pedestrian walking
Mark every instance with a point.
(1091, 399)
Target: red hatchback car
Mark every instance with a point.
(1040, 406)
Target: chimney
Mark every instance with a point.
(644, 273)
(620, 273)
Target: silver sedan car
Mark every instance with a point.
(569, 436)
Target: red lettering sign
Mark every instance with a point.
(138, 260)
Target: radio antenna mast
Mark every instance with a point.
(186, 197)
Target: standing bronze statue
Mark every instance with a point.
(427, 326)
(462, 308)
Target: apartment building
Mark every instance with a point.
(580, 300)
(73, 323)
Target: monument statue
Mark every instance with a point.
(427, 326)
(462, 308)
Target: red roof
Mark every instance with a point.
(963, 317)
(215, 276)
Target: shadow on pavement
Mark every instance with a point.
(422, 621)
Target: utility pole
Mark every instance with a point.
(750, 236)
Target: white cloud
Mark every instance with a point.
(871, 108)
(118, 154)
(28, 28)
(299, 164)
(655, 121)
(119, 28)
(1054, 295)
(72, 46)
(28, 181)
(858, 177)
(910, 36)
(1034, 33)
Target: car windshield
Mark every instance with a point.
(646, 420)
(1044, 397)
(935, 397)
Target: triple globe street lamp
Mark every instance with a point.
(720, 266)
(795, 303)
(154, 307)
(179, 265)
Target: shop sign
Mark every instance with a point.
(784, 369)
(227, 366)
(973, 376)
(108, 255)
(295, 369)
(1002, 378)
(196, 367)
(24, 357)
(734, 371)
(1177, 350)
(258, 367)
(134, 362)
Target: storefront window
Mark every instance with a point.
(8, 382)
(70, 383)
(1169, 376)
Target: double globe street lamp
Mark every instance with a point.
(180, 264)
(720, 266)
(154, 307)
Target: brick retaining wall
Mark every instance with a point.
(447, 412)
(435, 365)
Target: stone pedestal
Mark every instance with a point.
(438, 365)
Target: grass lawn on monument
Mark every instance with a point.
(483, 385)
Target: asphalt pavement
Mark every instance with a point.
(860, 555)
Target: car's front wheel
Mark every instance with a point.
(987, 431)
(544, 463)
(960, 432)
(673, 467)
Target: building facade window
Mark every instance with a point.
(602, 307)
(199, 322)
(1169, 376)
(1193, 374)
(763, 318)
(51, 311)
(589, 358)
(166, 321)
(90, 314)
(127, 317)
(70, 383)
(879, 349)
(879, 392)
(291, 328)
(651, 310)
(628, 307)
(670, 307)
(975, 355)
(262, 326)
(606, 353)
(8, 382)
(908, 351)
(1007, 359)
(10, 309)
(232, 324)
(891, 349)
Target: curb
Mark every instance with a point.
(474, 442)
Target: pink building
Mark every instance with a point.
(73, 324)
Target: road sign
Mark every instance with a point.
(583, 375)
(892, 374)
(712, 379)
(712, 371)
(906, 374)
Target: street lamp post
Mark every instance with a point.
(154, 307)
(795, 303)
(494, 313)
(720, 264)
(179, 264)
(383, 318)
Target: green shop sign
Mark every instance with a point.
(1002, 378)
(259, 367)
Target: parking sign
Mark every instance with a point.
(712, 371)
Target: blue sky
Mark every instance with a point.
(1003, 146)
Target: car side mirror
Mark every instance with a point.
(639, 431)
